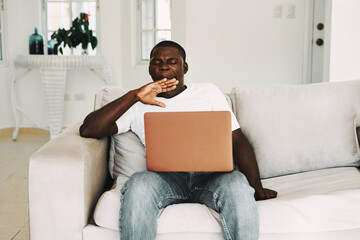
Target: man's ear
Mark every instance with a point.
(186, 67)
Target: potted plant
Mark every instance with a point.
(79, 33)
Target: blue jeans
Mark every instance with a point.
(229, 193)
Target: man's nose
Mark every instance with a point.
(164, 67)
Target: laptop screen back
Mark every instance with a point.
(188, 141)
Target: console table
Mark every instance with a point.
(53, 70)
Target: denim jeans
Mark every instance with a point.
(229, 193)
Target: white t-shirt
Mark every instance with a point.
(196, 97)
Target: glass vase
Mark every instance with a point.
(36, 43)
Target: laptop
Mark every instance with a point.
(188, 141)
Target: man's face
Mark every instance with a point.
(166, 62)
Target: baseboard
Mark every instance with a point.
(7, 132)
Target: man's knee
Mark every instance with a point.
(141, 183)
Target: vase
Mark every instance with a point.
(52, 50)
(36, 43)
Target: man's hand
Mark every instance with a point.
(147, 93)
(264, 193)
(102, 122)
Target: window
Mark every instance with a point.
(61, 13)
(154, 25)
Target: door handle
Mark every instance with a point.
(320, 26)
(319, 42)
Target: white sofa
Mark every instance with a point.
(305, 142)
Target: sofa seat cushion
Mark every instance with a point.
(297, 128)
(316, 201)
(191, 217)
(92, 232)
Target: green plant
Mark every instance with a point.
(79, 33)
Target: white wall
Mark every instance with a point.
(240, 42)
(229, 42)
(345, 40)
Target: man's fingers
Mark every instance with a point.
(274, 194)
(169, 82)
(268, 194)
(166, 81)
(265, 194)
(148, 93)
(160, 104)
(167, 85)
(167, 89)
(162, 81)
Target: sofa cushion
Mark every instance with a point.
(107, 209)
(126, 154)
(316, 201)
(296, 128)
(92, 232)
(305, 198)
(172, 219)
(108, 94)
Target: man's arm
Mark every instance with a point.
(244, 158)
(358, 134)
(102, 122)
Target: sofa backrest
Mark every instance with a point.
(108, 94)
(297, 128)
(292, 128)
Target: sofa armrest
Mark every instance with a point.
(66, 178)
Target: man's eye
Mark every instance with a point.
(156, 62)
(173, 62)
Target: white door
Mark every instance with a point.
(317, 41)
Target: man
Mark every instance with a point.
(145, 193)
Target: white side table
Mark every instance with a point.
(53, 70)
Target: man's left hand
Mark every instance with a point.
(264, 193)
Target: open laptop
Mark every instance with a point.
(188, 141)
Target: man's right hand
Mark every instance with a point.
(102, 122)
(148, 93)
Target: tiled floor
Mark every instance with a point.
(14, 157)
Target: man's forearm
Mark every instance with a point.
(245, 160)
(102, 122)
